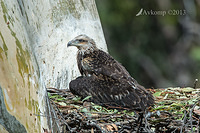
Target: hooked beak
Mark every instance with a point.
(70, 44)
(73, 43)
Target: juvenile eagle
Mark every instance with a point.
(105, 79)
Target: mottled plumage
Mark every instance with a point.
(105, 79)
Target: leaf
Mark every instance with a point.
(111, 127)
(113, 119)
(187, 90)
(161, 107)
(92, 130)
(132, 113)
(76, 99)
(76, 106)
(86, 98)
(54, 96)
(157, 94)
(62, 103)
(60, 99)
(96, 107)
(84, 110)
(115, 127)
(197, 111)
(176, 104)
(166, 96)
(115, 111)
(49, 94)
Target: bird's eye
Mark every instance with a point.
(81, 40)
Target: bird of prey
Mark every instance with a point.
(105, 79)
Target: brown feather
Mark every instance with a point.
(106, 80)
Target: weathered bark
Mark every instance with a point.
(34, 55)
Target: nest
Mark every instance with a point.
(176, 110)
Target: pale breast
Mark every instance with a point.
(87, 66)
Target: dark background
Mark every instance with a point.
(158, 51)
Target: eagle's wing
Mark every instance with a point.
(79, 60)
(101, 63)
(112, 94)
(109, 83)
(110, 67)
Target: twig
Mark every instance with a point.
(93, 124)
(191, 110)
(61, 115)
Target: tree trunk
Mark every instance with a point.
(34, 56)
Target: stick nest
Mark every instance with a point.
(176, 110)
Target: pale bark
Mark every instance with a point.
(34, 55)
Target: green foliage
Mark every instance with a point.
(173, 106)
(76, 99)
(77, 103)
(195, 53)
(176, 100)
(56, 97)
(86, 98)
(62, 103)
(156, 50)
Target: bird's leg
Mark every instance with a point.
(140, 118)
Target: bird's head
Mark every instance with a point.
(82, 42)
